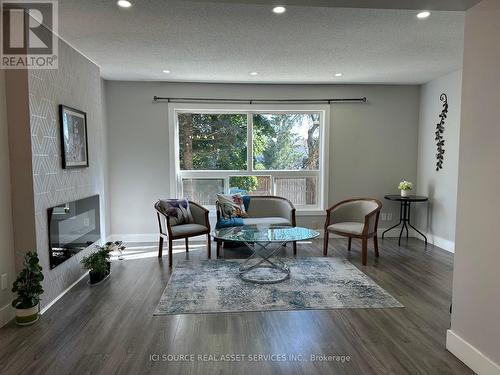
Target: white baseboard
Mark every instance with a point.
(153, 237)
(134, 237)
(6, 314)
(432, 239)
(45, 308)
(443, 243)
(147, 237)
(469, 355)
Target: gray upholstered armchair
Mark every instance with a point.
(354, 218)
(170, 232)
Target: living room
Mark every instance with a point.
(299, 187)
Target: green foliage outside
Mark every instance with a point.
(219, 142)
(247, 183)
(212, 141)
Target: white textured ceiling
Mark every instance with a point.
(223, 42)
(373, 4)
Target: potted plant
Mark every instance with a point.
(406, 187)
(28, 287)
(98, 262)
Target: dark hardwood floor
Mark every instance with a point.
(110, 328)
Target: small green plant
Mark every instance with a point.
(28, 284)
(405, 185)
(97, 261)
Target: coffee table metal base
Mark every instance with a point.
(267, 260)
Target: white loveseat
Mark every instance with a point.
(266, 210)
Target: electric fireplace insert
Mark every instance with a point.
(73, 227)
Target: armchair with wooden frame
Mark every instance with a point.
(169, 232)
(354, 218)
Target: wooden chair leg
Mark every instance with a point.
(349, 242)
(325, 244)
(375, 244)
(294, 245)
(365, 251)
(170, 252)
(209, 246)
(187, 244)
(218, 249)
(160, 248)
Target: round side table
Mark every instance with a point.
(404, 214)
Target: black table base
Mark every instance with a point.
(404, 218)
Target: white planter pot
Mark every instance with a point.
(405, 193)
(26, 317)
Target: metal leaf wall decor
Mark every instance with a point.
(440, 132)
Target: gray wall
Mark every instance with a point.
(441, 187)
(6, 233)
(372, 146)
(476, 292)
(77, 84)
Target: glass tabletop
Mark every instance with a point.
(264, 233)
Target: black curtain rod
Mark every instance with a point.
(257, 101)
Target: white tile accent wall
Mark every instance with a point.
(76, 84)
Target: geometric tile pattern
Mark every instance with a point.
(77, 84)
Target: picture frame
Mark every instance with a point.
(74, 142)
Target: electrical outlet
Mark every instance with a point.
(4, 281)
(383, 216)
(389, 216)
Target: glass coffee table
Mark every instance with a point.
(264, 242)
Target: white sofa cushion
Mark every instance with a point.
(185, 229)
(347, 227)
(266, 221)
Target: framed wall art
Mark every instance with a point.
(74, 143)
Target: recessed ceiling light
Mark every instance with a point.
(423, 15)
(279, 9)
(124, 3)
(254, 73)
(166, 71)
(338, 74)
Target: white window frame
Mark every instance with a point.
(176, 174)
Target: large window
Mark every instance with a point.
(257, 152)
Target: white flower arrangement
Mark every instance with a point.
(405, 185)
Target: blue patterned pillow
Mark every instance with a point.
(177, 210)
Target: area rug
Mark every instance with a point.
(213, 286)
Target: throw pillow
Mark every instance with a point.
(231, 206)
(177, 210)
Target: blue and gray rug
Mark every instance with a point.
(212, 286)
